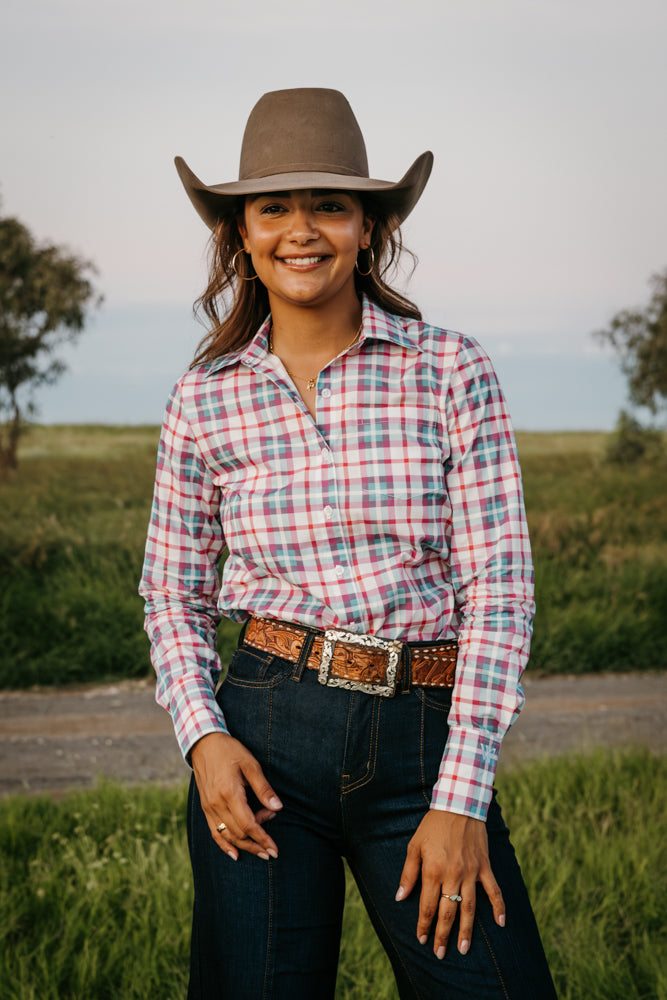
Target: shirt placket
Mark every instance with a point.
(344, 597)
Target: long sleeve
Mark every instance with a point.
(180, 581)
(492, 576)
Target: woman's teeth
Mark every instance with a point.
(302, 260)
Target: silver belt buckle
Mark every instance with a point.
(390, 647)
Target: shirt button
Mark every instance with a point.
(326, 393)
(325, 454)
(328, 511)
(339, 571)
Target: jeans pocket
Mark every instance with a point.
(434, 704)
(246, 698)
(257, 669)
(438, 698)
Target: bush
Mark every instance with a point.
(631, 442)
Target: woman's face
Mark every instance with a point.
(304, 244)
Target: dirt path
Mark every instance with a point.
(54, 740)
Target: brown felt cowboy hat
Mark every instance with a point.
(304, 138)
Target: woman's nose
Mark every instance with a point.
(303, 226)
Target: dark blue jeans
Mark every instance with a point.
(354, 772)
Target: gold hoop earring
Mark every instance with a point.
(241, 276)
(371, 263)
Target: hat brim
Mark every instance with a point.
(218, 201)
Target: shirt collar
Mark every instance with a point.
(376, 324)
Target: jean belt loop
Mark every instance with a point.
(406, 678)
(300, 664)
(244, 629)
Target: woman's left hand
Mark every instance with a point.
(452, 854)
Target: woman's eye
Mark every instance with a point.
(270, 209)
(330, 206)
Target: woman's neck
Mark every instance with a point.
(314, 334)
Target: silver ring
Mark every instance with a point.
(220, 827)
(455, 898)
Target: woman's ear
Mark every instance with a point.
(243, 232)
(366, 233)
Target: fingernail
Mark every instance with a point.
(273, 853)
(275, 803)
(423, 939)
(263, 855)
(400, 894)
(501, 919)
(440, 953)
(233, 856)
(464, 947)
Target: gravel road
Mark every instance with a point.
(56, 740)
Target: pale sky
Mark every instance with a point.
(546, 211)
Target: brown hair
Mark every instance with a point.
(234, 308)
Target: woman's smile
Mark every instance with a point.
(302, 262)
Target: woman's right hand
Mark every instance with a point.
(223, 767)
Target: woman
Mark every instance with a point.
(360, 468)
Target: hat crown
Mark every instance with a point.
(305, 129)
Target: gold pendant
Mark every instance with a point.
(311, 383)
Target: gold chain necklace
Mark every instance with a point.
(310, 382)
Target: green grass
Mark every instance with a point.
(70, 547)
(599, 537)
(95, 889)
(74, 519)
(589, 833)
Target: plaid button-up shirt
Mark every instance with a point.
(398, 512)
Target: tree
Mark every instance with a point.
(640, 337)
(45, 293)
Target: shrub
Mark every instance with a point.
(631, 442)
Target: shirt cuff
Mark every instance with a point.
(465, 779)
(195, 713)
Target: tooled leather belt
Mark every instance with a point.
(357, 662)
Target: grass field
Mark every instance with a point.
(75, 515)
(95, 889)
